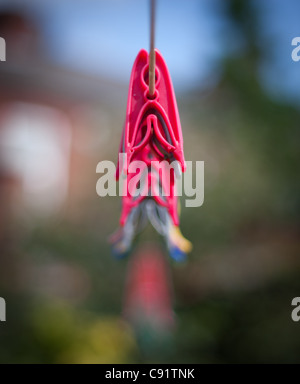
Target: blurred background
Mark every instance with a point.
(63, 92)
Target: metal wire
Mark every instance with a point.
(152, 49)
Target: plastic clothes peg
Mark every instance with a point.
(152, 135)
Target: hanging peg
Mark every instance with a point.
(151, 135)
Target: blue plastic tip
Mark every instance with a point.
(117, 254)
(177, 254)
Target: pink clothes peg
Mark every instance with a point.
(152, 136)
